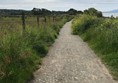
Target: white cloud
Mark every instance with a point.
(40, 1)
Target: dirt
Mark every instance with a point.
(70, 60)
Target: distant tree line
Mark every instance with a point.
(37, 11)
(71, 11)
(45, 12)
(11, 12)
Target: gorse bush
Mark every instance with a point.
(21, 53)
(102, 36)
(83, 24)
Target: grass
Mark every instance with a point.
(21, 52)
(102, 36)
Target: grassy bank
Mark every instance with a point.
(102, 36)
(21, 52)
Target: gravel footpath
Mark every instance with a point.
(70, 60)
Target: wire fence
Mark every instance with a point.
(24, 20)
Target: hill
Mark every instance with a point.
(112, 11)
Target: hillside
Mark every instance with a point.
(112, 11)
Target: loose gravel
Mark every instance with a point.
(70, 60)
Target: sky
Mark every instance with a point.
(63, 5)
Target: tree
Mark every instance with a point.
(72, 11)
(79, 12)
(46, 12)
(93, 11)
(37, 11)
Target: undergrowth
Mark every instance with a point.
(21, 52)
(102, 36)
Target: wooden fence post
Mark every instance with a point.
(45, 19)
(53, 19)
(37, 20)
(23, 21)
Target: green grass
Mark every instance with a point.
(102, 36)
(21, 52)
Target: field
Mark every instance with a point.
(21, 50)
(102, 36)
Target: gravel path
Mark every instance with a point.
(70, 60)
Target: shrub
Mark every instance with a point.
(102, 36)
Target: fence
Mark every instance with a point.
(24, 20)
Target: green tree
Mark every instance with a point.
(37, 11)
(93, 11)
(72, 11)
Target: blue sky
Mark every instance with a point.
(102, 5)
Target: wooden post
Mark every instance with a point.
(23, 21)
(38, 21)
(53, 18)
(45, 19)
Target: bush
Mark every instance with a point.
(84, 23)
(102, 36)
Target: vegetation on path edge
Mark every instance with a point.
(21, 52)
(102, 36)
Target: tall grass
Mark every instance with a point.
(21, 53)
(102, 36)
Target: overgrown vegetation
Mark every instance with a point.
(21, 52)
(102, 36)
(93, 12)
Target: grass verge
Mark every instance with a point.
(21, 53)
